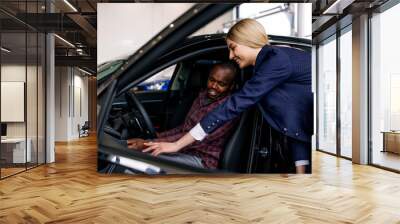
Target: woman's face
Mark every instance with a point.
(243, 55)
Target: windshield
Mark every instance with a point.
(108, 68)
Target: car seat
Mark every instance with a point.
(235, 151)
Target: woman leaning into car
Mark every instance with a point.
(280, 85)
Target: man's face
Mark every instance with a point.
(219, 82)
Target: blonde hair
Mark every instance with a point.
(248, 32)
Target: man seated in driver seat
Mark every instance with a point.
(206, 153)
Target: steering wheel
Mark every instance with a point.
(133, 103)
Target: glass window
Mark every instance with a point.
(14, 150)
(385, 89)
(32, 88)
(346, 94)
(327, 96)
(41, 98)
(31, 96)
(158, 82)
(22, 92)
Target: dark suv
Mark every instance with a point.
(130, 109)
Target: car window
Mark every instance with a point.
(181, 78)
(158, 82)
(106, 69)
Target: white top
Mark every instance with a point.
(197, 132)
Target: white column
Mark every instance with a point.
(314, 90)
(304, 20)
(360, 90)
(50, 92)
(50, 99)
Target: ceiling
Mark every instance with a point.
(332, 15)
(75, 21)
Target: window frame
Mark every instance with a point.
(379, 10)
(333, 37)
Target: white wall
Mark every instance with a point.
(14, 72)
(33, 126)
(280, 23)
(80, 102)
(61, 103)
(17, 72)
(70, 83)
(216, 26)
(123, 28)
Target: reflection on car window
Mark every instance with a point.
(106, 69)
(158, 82)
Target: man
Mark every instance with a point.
(204, 154)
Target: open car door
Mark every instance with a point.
(112, 151)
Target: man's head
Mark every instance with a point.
(221, 80)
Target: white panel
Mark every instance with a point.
(12, 101)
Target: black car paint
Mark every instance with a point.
(195, 18)
(139, 63)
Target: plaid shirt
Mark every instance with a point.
(211, 147)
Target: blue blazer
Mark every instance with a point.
(281, 85)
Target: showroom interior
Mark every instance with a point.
(49, 57)
(333, 39)
(357, 109)
(48, 82)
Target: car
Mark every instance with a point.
(126, 110)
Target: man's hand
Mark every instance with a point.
(156, 148)
(136, 143)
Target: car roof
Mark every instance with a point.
(222, 36)
(208, 40)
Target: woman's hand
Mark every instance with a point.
(169, 147)
(156, 148)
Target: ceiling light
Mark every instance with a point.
(64, 40)
(338, 6)
(84, 71)
(5, 50)
(70, 5)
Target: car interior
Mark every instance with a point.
(167, 109)
(140, 114)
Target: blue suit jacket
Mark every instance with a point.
(281, 84)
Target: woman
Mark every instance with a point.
(280, 85)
